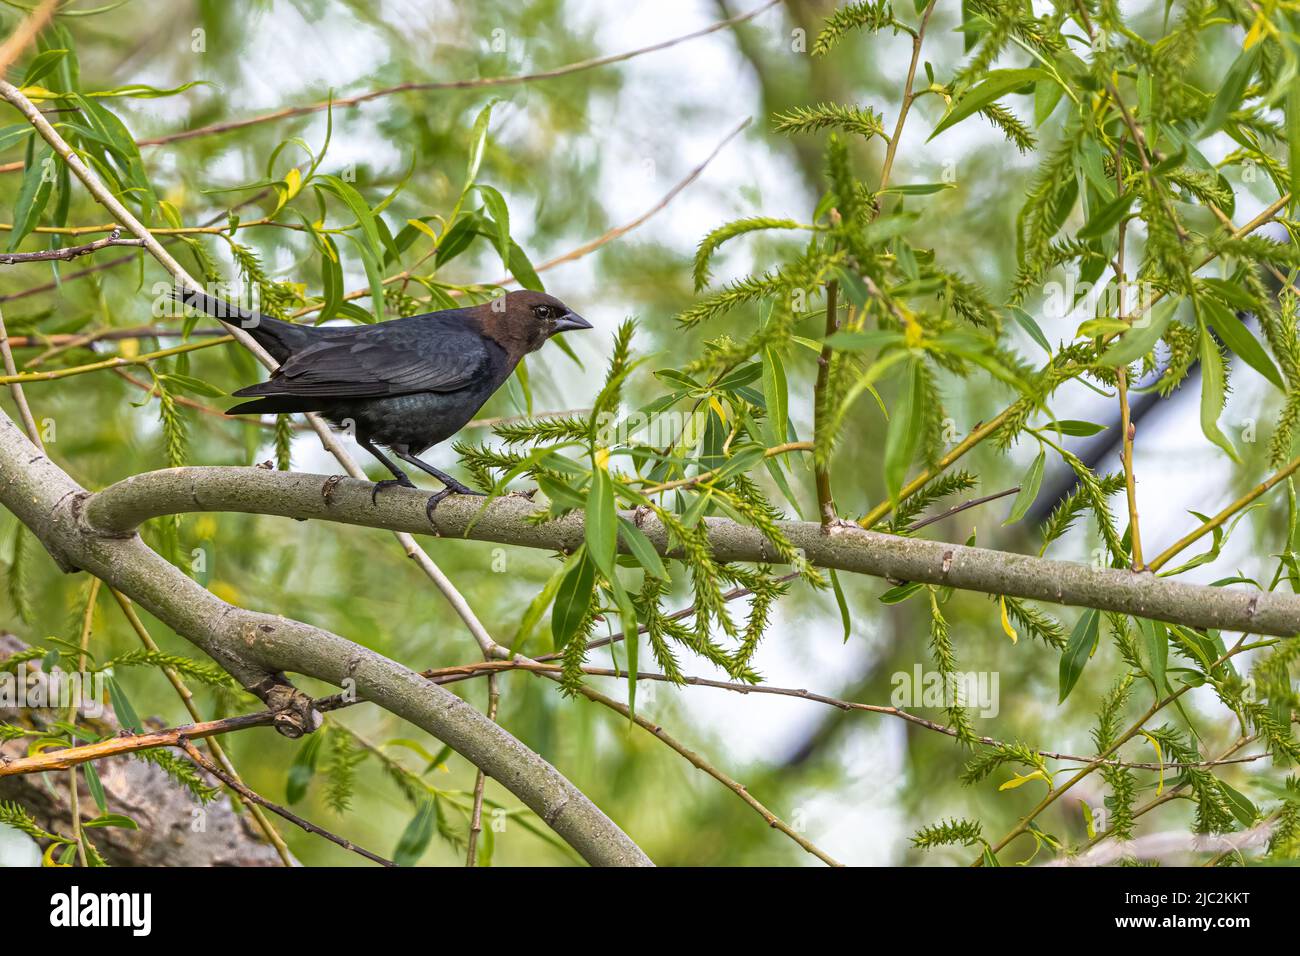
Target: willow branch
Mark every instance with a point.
(257, 649)
(114, 238)
(120, 508)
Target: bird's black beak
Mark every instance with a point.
(571, 321)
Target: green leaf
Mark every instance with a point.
(1212, 392)
(641, 548)
(997, 84)
(1142, 336)
(902, 437)
(1075, 428)
(1237, 337)
(1231, 91)
(775, 396)
(1078, 650)
(112, 820)
(846, 618)
(522, 269)
(1030, 325)
(868, 339)
(33, 194)
(126, 715)
(370, 243)
(1106, 218)
(42, 64)
(415, 838)
(495, 204)
(918, 189)
(302, 769)
(1156, 642)
(601, 524)
(478, 143)
(573, 599)
(1246, 812)
(1029, 486)
(95, 786)
(536, 608)
(900, 593)
(1047, 93)
(1293, 137)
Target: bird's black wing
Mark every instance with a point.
(391, 358)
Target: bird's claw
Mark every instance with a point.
(434, 500)
(387, 483)
(437, 499)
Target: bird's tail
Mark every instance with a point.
(278, 337)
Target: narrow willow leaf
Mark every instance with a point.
(95, 786)
(775, 396)
(1156, 642)
(33, 194)
(1029, 486)
(112, 820)
(904, 430)
(1293, 137)
(918, 189)
(1031, 326)
(1142, 336)
(846, 618)
(1231, 91)
(522, 269)
(1106, 218)
(1241, 806)
(573, 599)
(499, 213)
(126, 715)
(1078, 649)
(417, 835)
(302, 769)
(1212, 393)
(997, 84)
(601, 524)
(1075, 428)
(1007, 629)
(1237, 337)
(641, 548)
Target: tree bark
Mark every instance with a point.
(257, 649)
(121, 507)
(174, 829)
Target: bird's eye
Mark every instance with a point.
(544, 311)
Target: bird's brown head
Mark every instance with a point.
(522, 321)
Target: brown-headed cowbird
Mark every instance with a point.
(407, 384)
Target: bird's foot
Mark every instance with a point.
(453, 489)
(388, 483)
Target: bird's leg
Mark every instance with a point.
(453, 487)
(402, 478)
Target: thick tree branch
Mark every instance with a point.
(123, 506)
(258, 648)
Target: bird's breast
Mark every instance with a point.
(418, 420)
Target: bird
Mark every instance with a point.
(406, 384)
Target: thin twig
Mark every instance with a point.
(480, 783)
(963, 506)
(114, 238)
(254, 797)
(187, 700)
(1218, 520)
(822, 469)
